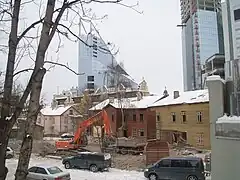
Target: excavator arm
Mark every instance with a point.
(102, 115)
(76, 142)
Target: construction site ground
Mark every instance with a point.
(126, 162)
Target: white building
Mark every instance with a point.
(231, 27)
(98, 65)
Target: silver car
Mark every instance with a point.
(47, 172)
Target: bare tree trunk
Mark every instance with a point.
(5, 126)
(34, 106)
(33, 110)
(4, 135)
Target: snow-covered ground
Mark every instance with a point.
(113, 174)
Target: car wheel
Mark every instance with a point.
(67, 165)
(152, 177)
(191, 177)
(93, 168)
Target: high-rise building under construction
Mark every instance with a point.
(202, 37)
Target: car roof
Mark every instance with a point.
(92, 153)
(183, 158)
(45, 166)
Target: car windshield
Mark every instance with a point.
(54, 170)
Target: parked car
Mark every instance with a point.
(9, 153)
(47, 172)
(88, 160)
(184, 168)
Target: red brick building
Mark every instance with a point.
(138, 120)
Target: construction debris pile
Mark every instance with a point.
(39, 147)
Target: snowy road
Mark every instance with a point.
(113, 174)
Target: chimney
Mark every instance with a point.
(175, 94)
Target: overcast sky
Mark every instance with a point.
(149, 44)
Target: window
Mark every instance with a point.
(141, 118)
(53, 120)
(237, 14)
(90, 78)
(112, 117)
(32, 169)
(158, 118)
(134, 117)
(90, 85)
(134, 132)
(184, 117)
(39, 120)
(165, 163)
(199, 139)
(70, 112)
(177, 163)
(66, 128)
(54, 170)
(173, 117)
(65, 120)
(41, 170)
(141, 132)
(199, 117)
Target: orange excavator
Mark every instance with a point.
(80, 139)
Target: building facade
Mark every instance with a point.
(202, 36)
(98, 65)
(59, 120)
(231, 27)
(186, 117)
(132, 114)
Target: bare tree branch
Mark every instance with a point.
(23, 70)
(65, 66)
(28, 29)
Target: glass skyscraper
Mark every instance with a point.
(202, 37)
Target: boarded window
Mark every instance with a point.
(112, 117)
(141, 118)
(134, 132)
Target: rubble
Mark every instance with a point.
(39, 146)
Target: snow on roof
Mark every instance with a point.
(228, 119)
(127, 103)
(58, 111)
(188, 97)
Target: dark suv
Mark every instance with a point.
(88, 160)
(179, 168)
